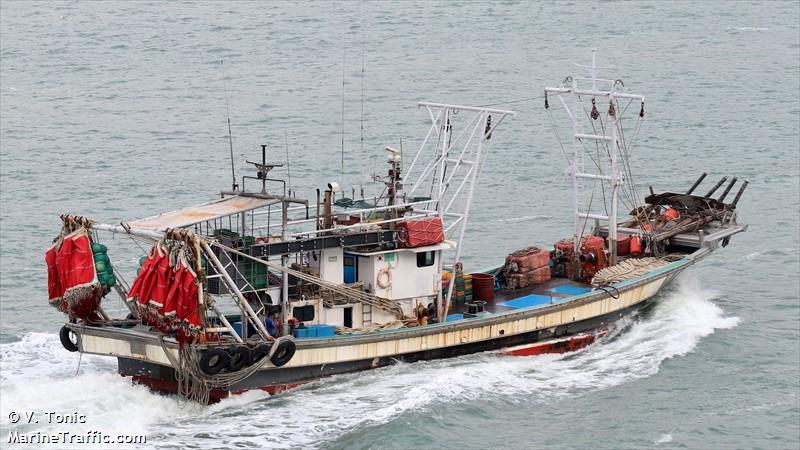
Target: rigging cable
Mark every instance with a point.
(234, 186)
(595, 115)
(538, 97)
(558, 137)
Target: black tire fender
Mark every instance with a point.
(282, 351)
(213, 361)
(238, 358)
(66, 340)
(258, 353)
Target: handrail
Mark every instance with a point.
(373, 300)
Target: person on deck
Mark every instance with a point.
(272, 329)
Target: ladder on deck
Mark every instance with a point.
(366, 314)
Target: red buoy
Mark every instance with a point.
(636, 245)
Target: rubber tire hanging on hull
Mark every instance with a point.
(238, 358)
(258, 353)
(283, 352)
(211, 366)
(66, 341)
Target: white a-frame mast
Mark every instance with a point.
(446, 168)
(605, 95)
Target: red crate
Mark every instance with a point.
(421, 232)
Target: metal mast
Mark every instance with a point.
(572, 96)
(444, 171)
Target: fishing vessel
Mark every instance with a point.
(262, 289)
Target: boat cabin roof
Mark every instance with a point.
(201, 213)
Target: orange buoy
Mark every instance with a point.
(671, 214)
(635, 245)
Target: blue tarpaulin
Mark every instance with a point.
(569, 289)
(526, 301)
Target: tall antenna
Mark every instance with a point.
(234, 186)
(288, 172)
(363, 161)
(363, 82)
(343, 61)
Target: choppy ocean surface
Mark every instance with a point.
(117, 110)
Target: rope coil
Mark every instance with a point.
(625, 270)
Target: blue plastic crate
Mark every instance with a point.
(301, 333)
(237, 326)
(325, 330)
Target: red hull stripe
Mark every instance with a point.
(555, 346)
(171, 387)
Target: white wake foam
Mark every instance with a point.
(38, 375)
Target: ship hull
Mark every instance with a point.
(273, 381)
(564, 326)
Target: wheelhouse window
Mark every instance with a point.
(426, 259)
(303, 313)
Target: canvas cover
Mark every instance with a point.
(201, 213)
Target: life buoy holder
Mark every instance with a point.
(384, 278)
(282, 351)
(213, 361)
(66, 339)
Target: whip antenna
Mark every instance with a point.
(343, 60)
(230, 135)
(288, 172)
(363, 82)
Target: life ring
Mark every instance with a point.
(282, 351)
(213, 361)
(238, 358)
(66, 340)
(384, 278)
(258, 353)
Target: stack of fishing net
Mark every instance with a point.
(79, 272)
(166, 289)
(526, 267)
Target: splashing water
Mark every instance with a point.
(39, 375)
